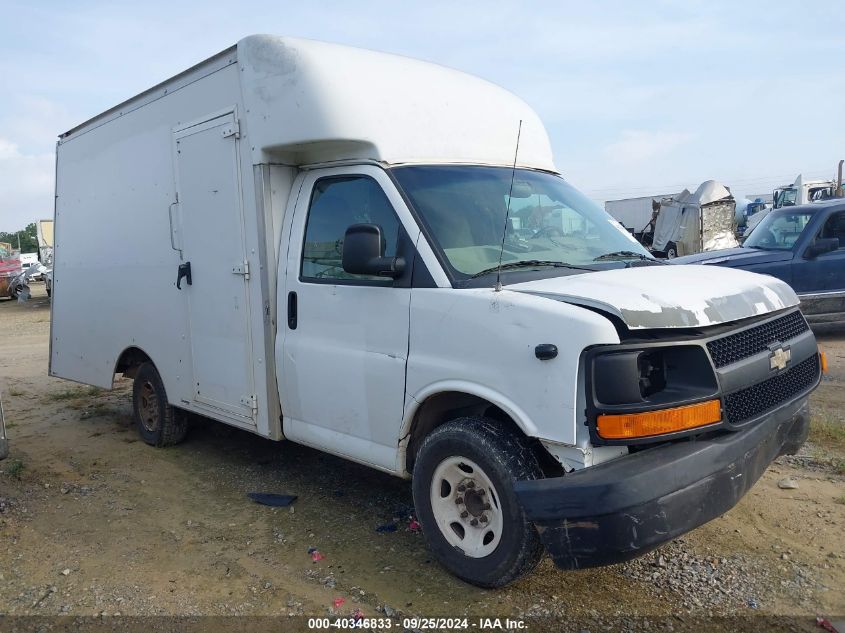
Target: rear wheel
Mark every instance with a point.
(463, 494)
(671, 250)
(158, 423)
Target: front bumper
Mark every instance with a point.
(626, 507)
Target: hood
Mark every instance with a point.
(648, 297)
(735, 257)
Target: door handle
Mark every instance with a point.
(184, 272)
(292, 310)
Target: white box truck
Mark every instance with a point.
(350, 250)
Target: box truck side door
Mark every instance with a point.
(211, 240)
(342, 361)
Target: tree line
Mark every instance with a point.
(28, 239)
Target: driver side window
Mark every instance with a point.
(835, 228)
(336, 204)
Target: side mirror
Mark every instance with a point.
(821, 246)
(363, 253)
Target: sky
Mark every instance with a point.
(638, 98)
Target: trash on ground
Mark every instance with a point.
(339, 602)
(315, 554)
(414, 525)
(270, 499)
(826, 624)
(787, 483)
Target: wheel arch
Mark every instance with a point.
(129, 360)
(443, 402)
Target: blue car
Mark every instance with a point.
(802, 245)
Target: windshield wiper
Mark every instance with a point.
(529, 263)
(627, 254)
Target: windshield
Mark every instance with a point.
(785, 198)
(464, 208)
(778, 231)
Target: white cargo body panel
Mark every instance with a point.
(150, 185)
(199, 171)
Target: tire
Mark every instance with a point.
(496, 457)
(671, 250)
(158, 423)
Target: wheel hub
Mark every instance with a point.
(148, 409)
(466, 508)
(472, 500)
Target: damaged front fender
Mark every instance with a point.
(624, 508)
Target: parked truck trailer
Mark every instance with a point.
(351, 250)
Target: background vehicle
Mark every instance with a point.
(803, 191)
(682, 223)
(636, 214)
(804, 246)
(34, 270)
(351, 250)
(44, 233)
(10, 269)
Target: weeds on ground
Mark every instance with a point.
(65, 394)
(15, 468)
(840, 500)
(96, 410)
(827, 432)
(17, 392)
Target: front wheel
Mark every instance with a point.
(463, 494)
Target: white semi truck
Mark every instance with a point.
(377, 257)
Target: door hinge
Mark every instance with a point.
(241, 269)
(232, 130)
(251, 402)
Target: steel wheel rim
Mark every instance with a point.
(148, 409)
(466, 507)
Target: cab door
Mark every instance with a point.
(816, 274)
(345, 346)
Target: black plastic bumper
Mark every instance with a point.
(624, 508)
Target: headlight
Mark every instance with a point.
(639, 393)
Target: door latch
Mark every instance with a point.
(241, 269)
(184, 272)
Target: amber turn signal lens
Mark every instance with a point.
(823, 359)
(650, 423)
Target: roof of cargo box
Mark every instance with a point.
(307, 102)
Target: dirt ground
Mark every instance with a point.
(93, 522)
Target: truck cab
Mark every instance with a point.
(803, 191)
(378, 258)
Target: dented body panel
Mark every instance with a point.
(623, 509)
(663, 297)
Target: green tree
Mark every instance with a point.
(28, 239)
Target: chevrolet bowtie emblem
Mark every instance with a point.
(780, 358)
